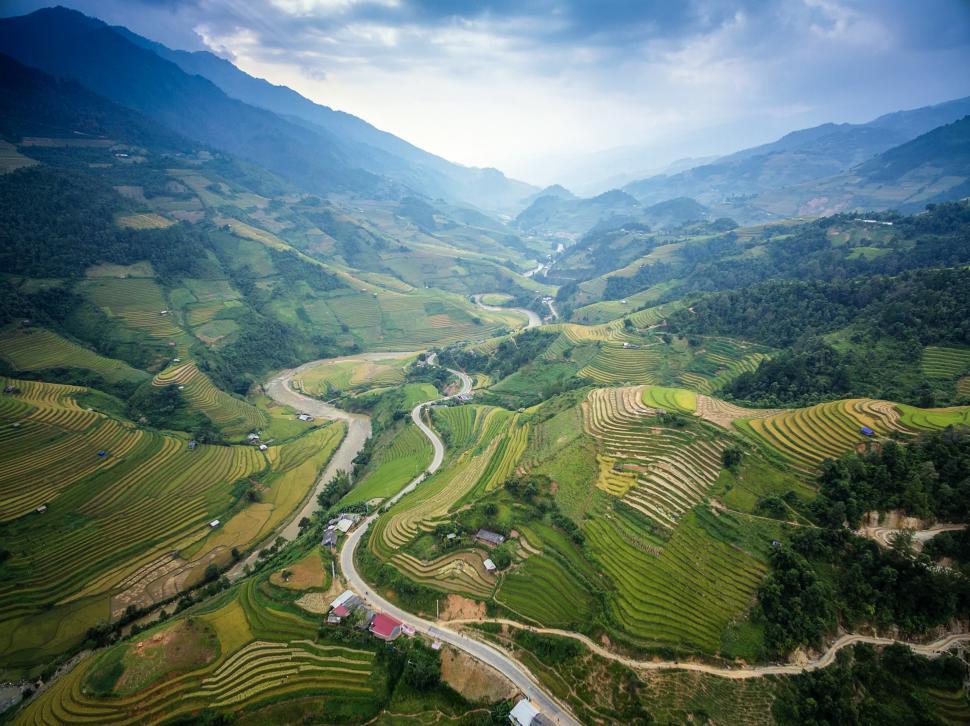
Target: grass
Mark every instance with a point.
(38, 349)
(397, 462)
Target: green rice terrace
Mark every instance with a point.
(99, 514)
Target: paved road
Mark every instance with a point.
(279, 389)
(930, 650)
(534, 320)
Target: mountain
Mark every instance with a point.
(376, 151)
(554, 214)
(796, 158)
(934, 167)
(557, 214)
(314, 146)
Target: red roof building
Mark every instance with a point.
(385, 627)
(341, 611)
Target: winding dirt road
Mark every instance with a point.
(534, 320)
(929, 650)
(359, 429)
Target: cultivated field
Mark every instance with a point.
(662, 471)
(261, 653)
(119, 501)
(37, 349)
(233, 416)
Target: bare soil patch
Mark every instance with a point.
(473, 679)
(462, 608)
(185, 646)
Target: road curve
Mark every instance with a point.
(359, 430)
(489, 654)
(930, 650)
(534, 320)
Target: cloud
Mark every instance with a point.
(503, 81)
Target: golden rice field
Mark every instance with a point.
(148, 220)
(808, 436)
(233, 416)
(36, 349)
(262, 654)
(117, 500)
(616, 364)
(662, 471)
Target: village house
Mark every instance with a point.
(385, 627)
(489, 538)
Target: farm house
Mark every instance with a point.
(488, 537)
(385, 627)
(489, 565)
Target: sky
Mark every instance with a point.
(541, 88)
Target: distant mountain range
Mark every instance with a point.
(796, 159)
(208, 99)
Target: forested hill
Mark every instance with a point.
(860, 337)
(321, 155)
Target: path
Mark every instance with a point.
(358, 431)
(534, 320)
(280, 390)
(885, 535)
(741, 672)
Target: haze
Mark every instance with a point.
(534, 88)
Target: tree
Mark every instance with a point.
(731, 457)
(423, 668)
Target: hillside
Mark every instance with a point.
(344, 154)
(808, 155)
(932, 168)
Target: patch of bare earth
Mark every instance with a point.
(473, 679)
(462, 608)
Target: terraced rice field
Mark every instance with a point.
(661, 471)
(429, 504)
(232, 416)
(670, 399)
(543, 591)
(808, 436)
(934, 419)
(719, 362)
(616, 364)
(264, 654)
(948, 363)
(489, 443)
(682, 592)
(118, 499)
(462, 572)
(138, 304)
(37, 349)
(724, 413)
